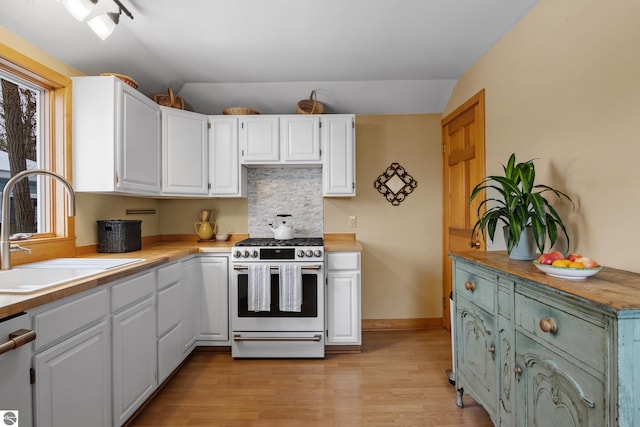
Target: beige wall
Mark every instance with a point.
(564, 87)
(401, 262)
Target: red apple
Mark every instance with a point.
(588, 262)
(545, 259)
(556, 255)
(573, 256)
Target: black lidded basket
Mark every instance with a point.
(119, 235)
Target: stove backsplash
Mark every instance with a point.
(295, 191)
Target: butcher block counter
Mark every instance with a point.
(539, 350)
(153, 255)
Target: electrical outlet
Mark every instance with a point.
(353, 221)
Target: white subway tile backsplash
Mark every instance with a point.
(295, 191)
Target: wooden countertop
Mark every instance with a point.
(154, 254)
(612, 289)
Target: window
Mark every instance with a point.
(34, 133)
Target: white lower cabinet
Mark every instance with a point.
(191, 277)
(72, 363)
(134, 344)
(343, 319)
(213, 300)
(169, 311)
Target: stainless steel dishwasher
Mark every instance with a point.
(15, 365)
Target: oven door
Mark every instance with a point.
(311, 317)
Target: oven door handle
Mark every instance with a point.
(308, 267)
(239, 337)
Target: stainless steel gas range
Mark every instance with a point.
(277, 298)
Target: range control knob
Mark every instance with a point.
(245, 254)
(309, 253)
(301, 253)
(317, 253)
(237, 254)
(254, 254)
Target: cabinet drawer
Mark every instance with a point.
(169, 308)
(132, 290)
(169, 274)
(571, 334)
(343, 261)
(479, 289)
(67, 319)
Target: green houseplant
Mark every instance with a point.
(522, 204)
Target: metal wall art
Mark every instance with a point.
(395, 184)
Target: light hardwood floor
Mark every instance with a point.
(398, 380)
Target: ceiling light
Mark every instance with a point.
(103, 25)
(79, 9)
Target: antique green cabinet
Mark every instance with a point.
(535, 350)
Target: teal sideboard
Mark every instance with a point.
(535, 350)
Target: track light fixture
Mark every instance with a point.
(102, 25)
(79, 9)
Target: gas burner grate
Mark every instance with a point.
(265, 241)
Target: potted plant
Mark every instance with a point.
(521, 207)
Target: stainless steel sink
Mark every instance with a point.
(37, 276)
(82, 263)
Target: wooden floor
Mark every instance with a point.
(398, 380)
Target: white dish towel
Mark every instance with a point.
(290, 288)
(259, 288)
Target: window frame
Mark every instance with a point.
(56, 130)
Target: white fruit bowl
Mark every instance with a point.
(566, 272)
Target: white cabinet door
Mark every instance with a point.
(214, 300)
(170, 352)
(73, 381)
(339, 153)
(259, 139)
(226, 176)
(185, 162)
(134, 358)
(300, 139)
(116, 138)
(15, 385)
(191, 282)
(343, 299)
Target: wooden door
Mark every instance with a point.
(463, 162)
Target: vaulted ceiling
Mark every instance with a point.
(361, 56)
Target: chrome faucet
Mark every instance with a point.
(5, 242)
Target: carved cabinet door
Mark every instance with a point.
(553, 391)
(477, 343)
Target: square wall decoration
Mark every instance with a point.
(395, 184)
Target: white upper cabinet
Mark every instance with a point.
(116, 138)
(339, 155)
(300, 138)
(226, 176)
(259, 139)
(185, 161)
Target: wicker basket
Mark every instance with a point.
(117, 235)
(239, 111)
(128, 80)
(169, 100)
(311, 105)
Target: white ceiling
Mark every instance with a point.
(361, 56)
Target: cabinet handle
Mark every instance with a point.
(517, 370)
(491, 349)
(17, 339)
(475, 244)
(548, 325)
(470, 285)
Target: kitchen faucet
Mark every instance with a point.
(5, 242)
